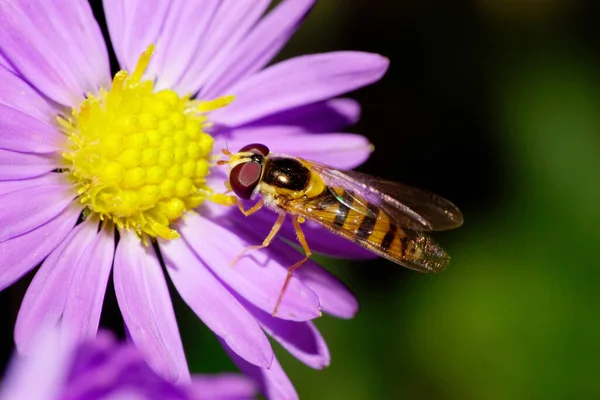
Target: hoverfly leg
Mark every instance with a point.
(296, 220)
(267, 240)
(252, 210)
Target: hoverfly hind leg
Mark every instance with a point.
(297, 220)
(267, 240)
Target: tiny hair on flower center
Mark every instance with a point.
(139, 157)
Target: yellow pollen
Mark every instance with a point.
(140, 158)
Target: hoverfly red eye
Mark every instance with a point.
(256, 148)
(244, 178)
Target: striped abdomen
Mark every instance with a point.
(351, 216)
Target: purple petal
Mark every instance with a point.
(20, 254)
(86, 294)
(42, 180)
(299, 81)
(22, 132)
(45, 298)
(301, 339)
(257, 277)
(27, 209)
(57, 46)
(325, 116)
(186, 22)
(222, 386)
(133, 26)
(231, 22)
(336, 299)
(259, 47)
(338, 150)
(41, 375)
(273, 382)
(214, 304)
(146, 306)
(15, 165)
(18, 94)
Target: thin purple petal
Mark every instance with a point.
(222, 387)
(27, 209)
(20, 254)
(20, 95)
(326, 116)
(187, 22)
(336, 299)
(15, 165)
(146, 306)
(47, 293)
(88, 285)
(214, 304)
(230, 24)
(300, 81)
(22, 132)
(273, 382)
(40, 376)
(301, 339)
(42, 180)
(60, 52)
(258, 277)
(259, 47)
(133, 26)
(338, 150)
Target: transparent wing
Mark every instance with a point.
(408, 207)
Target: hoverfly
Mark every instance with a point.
(384, 217)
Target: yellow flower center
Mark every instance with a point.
(139, 157)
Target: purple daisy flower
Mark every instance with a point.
(102, 368)
(86, 160)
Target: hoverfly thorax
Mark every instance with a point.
(246, 169)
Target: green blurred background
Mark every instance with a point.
(494, 104)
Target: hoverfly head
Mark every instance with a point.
(245, 168)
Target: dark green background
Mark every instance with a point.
(494, 104)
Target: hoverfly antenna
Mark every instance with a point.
(226, 151)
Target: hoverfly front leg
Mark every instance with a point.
(296, 220)
(267, 240)
(252, 210)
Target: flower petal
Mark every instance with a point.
(214, 304)
(15, 165)
(27, 209)
(42, 180)
(186, 23)
(57, 46)
(336, 299)
(338, 150)
(257, 277)
(88, 285)
(230, 23)
(273, 382)
(42, 374)
(301, 339)
(325, 116)
(22, 132)
(259, 47)
(20, 95)
(133, 26)
(222, 386)
(299, 81)
(45, 298)
(146, 306)
(20, 254)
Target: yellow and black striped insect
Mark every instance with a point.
(384, 217)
